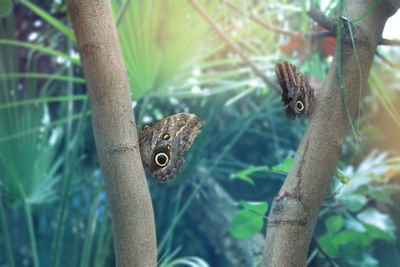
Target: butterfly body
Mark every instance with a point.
(163, 145)
(296, 92)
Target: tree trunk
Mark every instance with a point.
(292, 219)
(115, 133)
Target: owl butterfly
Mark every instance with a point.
(295, 89)
(162, 145)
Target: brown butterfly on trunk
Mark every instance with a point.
(296, 92)
(163, 145)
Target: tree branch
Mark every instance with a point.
(115, 133)
(390, 42)
(287, 243)
(257, 20)
(234, 46)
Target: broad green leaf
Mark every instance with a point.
(373, 218)
(333, 242)
(331, 247)
(384, 193)
(352, 236)
(334, 223)
(285, 166)
(245, 224)
(374, 232)
(258, 208)
(354, 202)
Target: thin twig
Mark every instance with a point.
(334, 193)
(331, 26)
(389, 42)
(275, 29)
(384, 59)
(332, 206)
(257, 20)
(323, 20)
(234, 46)
(322, 250)
(319, 34)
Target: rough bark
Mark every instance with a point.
(115, 133)
(292, 219)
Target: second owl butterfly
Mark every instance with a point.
(163, 145)
(296, 92)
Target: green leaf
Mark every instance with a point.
(354, 202)
(51, 20)
(380, 224)
(376, 233)
(334, 223)
(5, 8)
(285, 166)
(245, 224)
(245, 174)
(329, 244)
(41, 48)
(352, 236)
(258, 208)
(383, 193)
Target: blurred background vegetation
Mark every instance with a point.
(53, 209)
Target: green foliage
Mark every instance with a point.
(285, 166)
(160, 41)
(350, 231)
(60, 26)
(5, 8)
(49, 173)
(249, 220)
(334, 223)
(245, 174)
(43, 49)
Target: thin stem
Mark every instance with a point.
(175, 211)
(101, 236)
(257, 20)
(91, 227)
(389, 42)
(7, 243)
(32, 238)
(66, 186)
(322, 250)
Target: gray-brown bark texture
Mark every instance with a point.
(115, 133)
(292, 220)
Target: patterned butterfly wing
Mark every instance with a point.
(163, 145)
(295, 90)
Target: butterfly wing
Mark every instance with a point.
(164, 144)
(296, 92)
